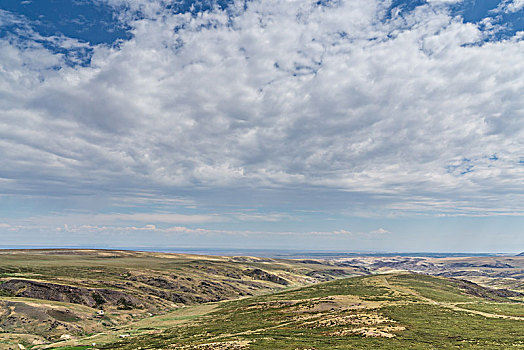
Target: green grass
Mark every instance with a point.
(427, 326)
(158, 283)
(359, 286)
(419, 311)
(445, 328)
(437, 289)
(512, 309)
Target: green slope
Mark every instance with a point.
(46, 295)
(49, 299)
(396, 311)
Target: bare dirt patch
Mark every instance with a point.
(225, 345)
(363, 324)
(377, 332)
(336, 303)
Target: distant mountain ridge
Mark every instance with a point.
(521, 254)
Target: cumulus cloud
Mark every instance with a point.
(510, 6)
(272, 94)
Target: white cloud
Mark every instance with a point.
(255, 216)
(342, 232)
(331, 233)
(444, 1)
(510, 6)
(377, 232)
(281, 94)
(112, 219)
(176, 230)
(380, 231)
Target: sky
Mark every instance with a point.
(347, 125)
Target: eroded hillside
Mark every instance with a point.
(72, 299)
(49, 294)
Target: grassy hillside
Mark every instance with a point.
(393, 311)
(49, 294)
(492, 271)
(55, 299)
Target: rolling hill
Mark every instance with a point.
(72, 299)
(392, 311)
(49, 294)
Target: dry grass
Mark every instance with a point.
(225, 345)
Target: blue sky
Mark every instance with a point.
(331, 125)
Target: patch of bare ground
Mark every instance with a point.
(316, 305)
(376, 332)
(364, 324)
(352, 319)
(336, 303)
(223, 345)
(10, 340)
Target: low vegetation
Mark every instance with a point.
(372, 312)
(46, 295)
(133, 300)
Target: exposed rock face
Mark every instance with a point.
(486, 293)
(174, 297)
(188, 291)
(314, 262)
(409, 264)
(262, 275)
(168, 288)
(327, 275)
(157, 282)
(67, 294)
(495, 265)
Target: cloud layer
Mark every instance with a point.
(413, 110)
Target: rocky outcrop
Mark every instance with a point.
(486, 293)
(188, 290)
(495, 265)
(166, 295)
(262, 275)
(68, 294)
(327, 275)
(314, 262)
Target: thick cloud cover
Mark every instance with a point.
(413, 109)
